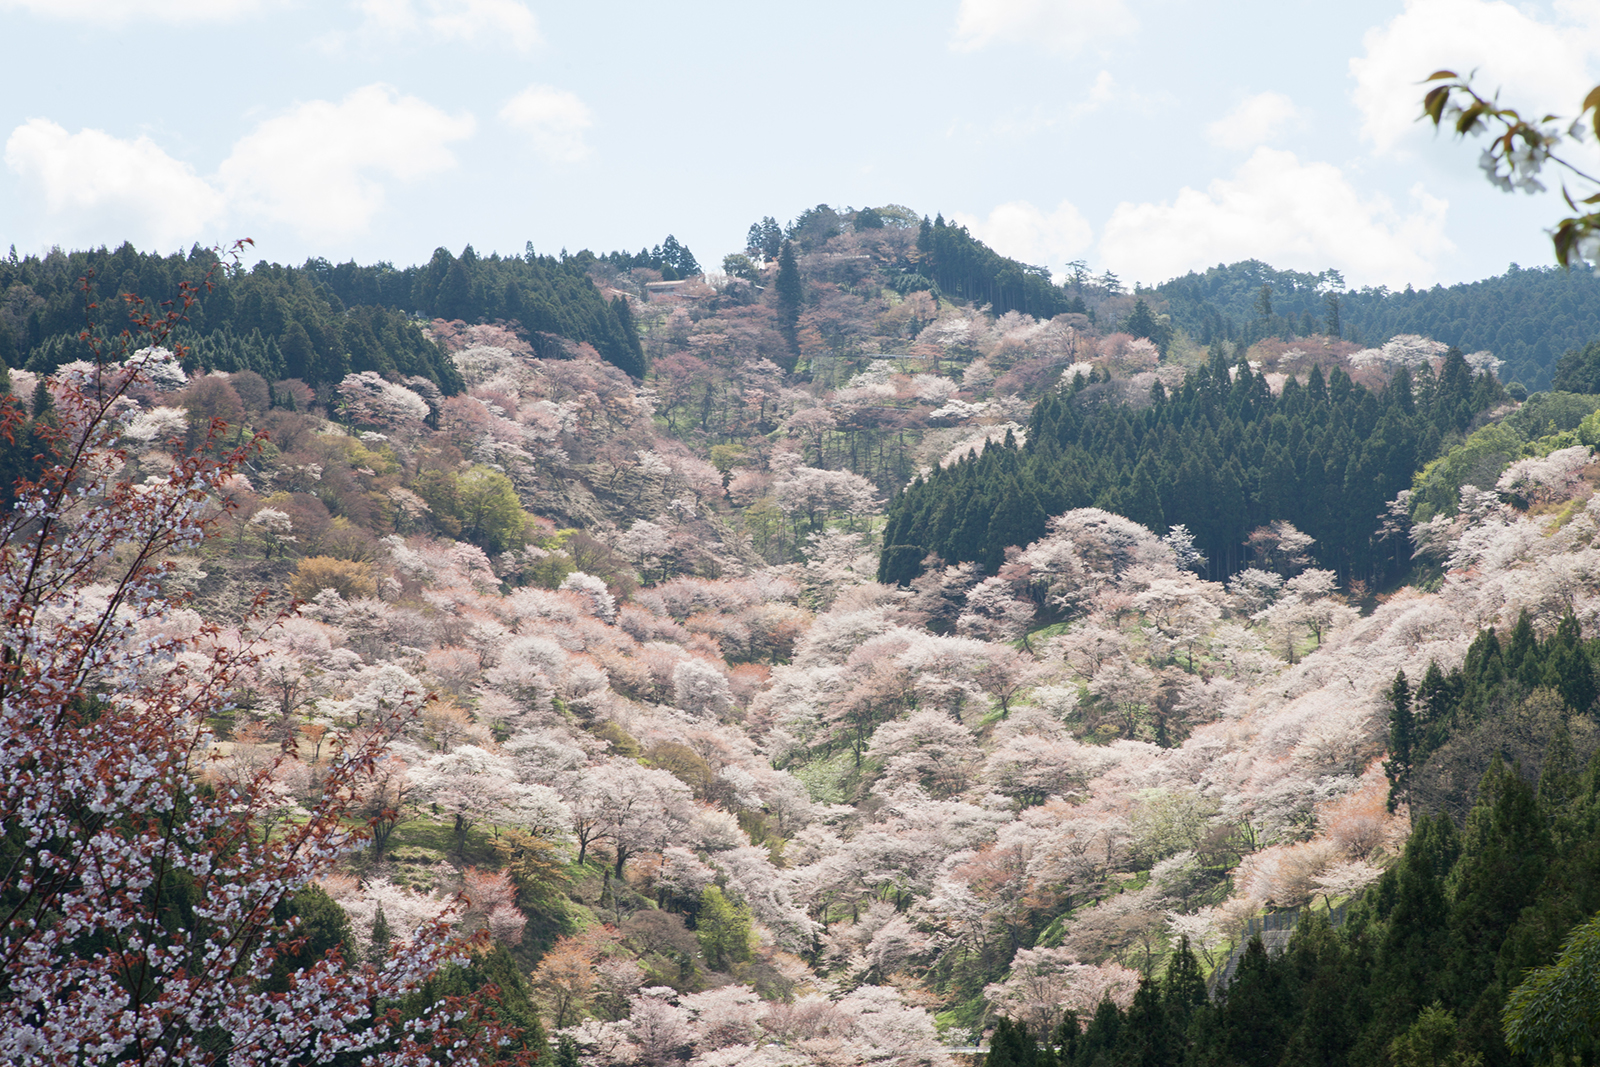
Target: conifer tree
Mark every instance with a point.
(790, 295)
(381, 936)
(1567, 667)
(1398, 765)
(1256, 1013)
(1011, 1046)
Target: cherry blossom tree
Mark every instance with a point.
(1046, 983)
(699, 687)
(469, 784)
(1540, 480)
(144, 912)
(637, 809)
(928, 749)
(368, 400)
(994, 612)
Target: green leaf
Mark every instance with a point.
(1439, 75)
(1564, 237)
(1469, 118)
(1554, 1008)
(1592, 100)
(1433, 104)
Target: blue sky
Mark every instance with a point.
(1148, 137)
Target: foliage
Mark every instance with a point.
(150, 915)
(672, 259)
(723, 930)
(1578, 370)
(1519, 149)
(1556, 1009)
(1221, 456)
(313, 574)
(964, 267)
(1420, 970)
(991, 807)
(1527, 316)
(1528, 702)
(318, 322)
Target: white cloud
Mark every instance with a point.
(1104, 90)
(1026, 233)
(554, 120)
(312, 167)
(1065, 26)
(510, 21)
(119, 12)
(1304, 216)
(95, 184)
(1255, 120)
(1543, 66)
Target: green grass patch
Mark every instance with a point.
(828, 778)
(1043, 633)
(438, 838)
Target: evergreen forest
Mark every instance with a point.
(1528, 317)
(315, 323)
(1220, 456)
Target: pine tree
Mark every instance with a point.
(1415, 934)
(381, 938)
(1011, 1046)
(1521, 655)
(1506, 850)
(1100, 1036)
(1148, 1037)
(1398, 765)
(790, 294)
(1141, 322)
(1567, 667)
(1142, 503)
(1257, 1013)
(1184, 989)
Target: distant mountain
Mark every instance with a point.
(1526, 317)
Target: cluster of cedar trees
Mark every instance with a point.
(1525, 317)
(1222, 456)
(1511, 702)
(671, 258)
(317, 322)
(1420, 967)
(964, 267)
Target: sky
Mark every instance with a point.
(1145, 137)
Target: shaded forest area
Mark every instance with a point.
(1222, 455)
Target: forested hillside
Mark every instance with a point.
(904, 660)
(1221, 456)
(1526, 317)
(314, 323)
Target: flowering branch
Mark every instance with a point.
(1518, 151)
